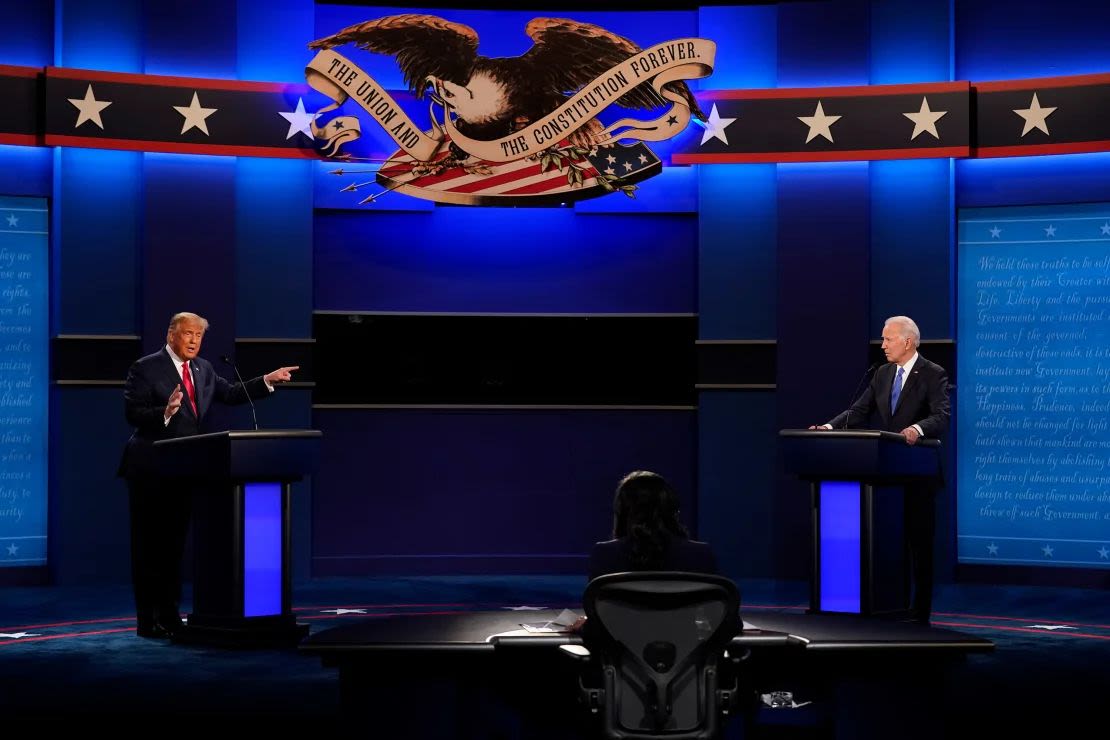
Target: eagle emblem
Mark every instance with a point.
(511, 130)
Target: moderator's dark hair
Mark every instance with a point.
(645, 511)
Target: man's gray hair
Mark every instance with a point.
(186, 316)
(907, 327)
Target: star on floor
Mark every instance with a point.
(1051, 627)
(194, 115)
(925, 120)
(819, 124)
(715, 126)
(300, 121)
(17, 635)
(995, 232)
(13, 220)
(340, 612)
(525, 608)
(1035, 116)
(89, 108)
(1050, 230)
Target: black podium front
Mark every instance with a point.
(844, 468)
(241, 579)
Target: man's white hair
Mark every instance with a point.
(907, 327)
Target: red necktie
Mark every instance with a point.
(187, 379)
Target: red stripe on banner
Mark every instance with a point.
(137, 145)
(1033, 150)
(20, 139)
(405, 166)
(1043, 82)
(42, 638)
(845, 156)
(200, 83)
(550, 184)
(493, 180)
(1027, 630)
(835, 92)
(10, 70)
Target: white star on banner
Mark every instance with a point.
(715, 126)
(627, 165)
(995, 231)
(339, 612)
(925, 120)
(819, 123)
(1047, 550)
(1105, 228)
(13, 220)
(525, 608)
(89, 108)
(17, 635)
(194, 115)
(299, 120)
(13, 549)
(992, 549)
(1051, 627)
(1103, 553)
(1035, 116)
(611, 159)
(643, 159)
(1050, 231)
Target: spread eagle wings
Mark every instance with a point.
(565, 54)
(570, 54)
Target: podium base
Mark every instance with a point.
(243, 632)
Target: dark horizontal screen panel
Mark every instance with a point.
(260, 356)
(740, 363)
(94, 359)
(511, 360)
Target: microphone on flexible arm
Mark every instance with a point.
(856, 392)
(235, 367)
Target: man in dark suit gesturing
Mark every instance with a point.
(167, 395)
(907, 396)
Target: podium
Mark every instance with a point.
(241, 496)
(844, 467)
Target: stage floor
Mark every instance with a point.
(73, 652)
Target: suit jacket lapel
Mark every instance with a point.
(199, 384)
(886, 383)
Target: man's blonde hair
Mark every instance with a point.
(186, 316)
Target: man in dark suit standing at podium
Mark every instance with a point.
(166, 396)
(907, 396)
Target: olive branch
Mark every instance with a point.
(573, 158)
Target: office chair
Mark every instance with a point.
(658, 638)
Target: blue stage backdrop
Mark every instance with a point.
(24, 366)
(1034, 347)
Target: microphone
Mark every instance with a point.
(855, 393)
(235, 367)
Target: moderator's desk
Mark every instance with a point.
(429, 674)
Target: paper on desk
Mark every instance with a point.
(561, 623)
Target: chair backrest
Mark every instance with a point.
(658, 636)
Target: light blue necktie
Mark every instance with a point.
(896, 391)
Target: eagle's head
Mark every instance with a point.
(486, 97)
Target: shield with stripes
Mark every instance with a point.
(564, 174)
